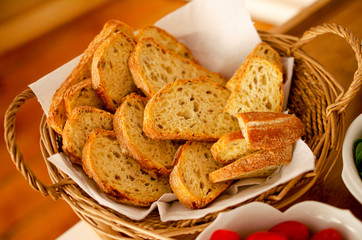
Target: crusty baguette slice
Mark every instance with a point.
(189, 109)
(166, 39)
(268, 130)
(57, 113)
(259, 164)
(154, 156)
(230, 147)
(263, 50)
(81, 94)
(119, 175)
(79, 125)
(189, 179)
(111, 77)
(266, 51)
(259, 88)
(153, 66)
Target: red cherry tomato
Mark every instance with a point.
(293, 230)
(266, 236)
(327, 234)
(223, 234)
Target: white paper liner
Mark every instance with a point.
(170, 209)
(194, 24)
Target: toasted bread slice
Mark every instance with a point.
(266, 51)
(189, 109)
(153, 66)
(166, 39)
(268, 130)
(230, 147)
(81, 94)
(57, 113)
(79, 125)
(263, 50)
(189, 179)
(119, 175)
(111, 77)
(259, 89)
(154, 156)
(259, 164)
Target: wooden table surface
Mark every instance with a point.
(25, 214)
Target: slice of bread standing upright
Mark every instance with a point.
(57, 113)
(167, 40)
(111, 77)
(154, 156)
(259, 88)
(189, 179)
(79, 125)
(262, 50)
(189, 109)
(153, 66)
(119, 175)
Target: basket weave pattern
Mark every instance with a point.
(315, 97)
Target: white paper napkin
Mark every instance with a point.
(221, 35)
(171, 210)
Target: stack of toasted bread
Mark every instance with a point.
(143, 118)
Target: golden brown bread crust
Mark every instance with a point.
(230, 147)
(268, 130)
(258, 87)
(182, 50)
(259, 164)
(222, 142)
(147, 163)
(107, 187)
(150, 123)
(144, 83)
(270, 52)
(182, 191)
(88, 167)
(262, 50)
(72, 133)
(57, 112)
(73, 96)
(138, 76)
(112, 52)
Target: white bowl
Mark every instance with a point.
(350, 174)
(257, 216)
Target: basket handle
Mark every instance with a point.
(17, 156)
(343, 98)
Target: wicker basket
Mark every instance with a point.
(315, 97)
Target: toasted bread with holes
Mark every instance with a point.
(79, 125)
(263, 50)
(166, 39)
(81, 94)
(111, 77)
(259, 88)
(153, 66)
(119, 175)
(57, 113)
(189, 109)
(230, 147)
(258, 164)
(266, 51)
(268, 130)
(189, 179)
(154, 156)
